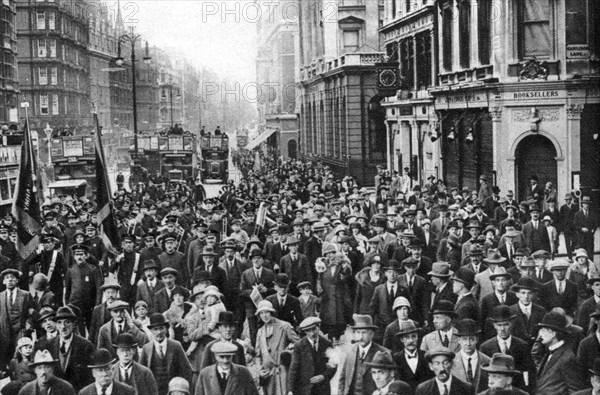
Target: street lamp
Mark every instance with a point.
(132, 39)
(48, 130)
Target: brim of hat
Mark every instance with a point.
(307, 327)
(553, 327)
(101, 365)
(265, 309)
(107, 286)
(517, 288)
(381, 366)
(447, 312)
(512, 317)
(282, 284)
(593, 280)
(43, 317)
(416, 330)
(125, 345)
(478, 333)
(373, 327)
(500, 369)
(64, 317)
(208, 254)
(432, 273)
(150, 326)
(447, 354)
(501, 260)
(559, 267)
(507, 275)
(33, 364)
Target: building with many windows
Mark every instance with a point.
(342, 120)
(518, 93)
(53, 62)
(8, 63)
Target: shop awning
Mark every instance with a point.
(261, 138)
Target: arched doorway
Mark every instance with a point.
(535, 154)
(292, 149)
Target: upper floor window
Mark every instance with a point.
(41, 20)
(464, 27)
(447, 41)
(535, 35)
(484, 26)
(351, 40)
(51, 21)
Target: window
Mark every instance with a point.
(42, 51)
(408, 6)
(52, 48)
(423, 59)
(41, 20)
(464, 27)
(535, 37)
(447, 37)
(43, 76)
(44, 110)
(54, 104)
(53, 76)
(407, 62)
(484, 25)
(351, 40)
(51, 21)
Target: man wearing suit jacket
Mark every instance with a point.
(541, 274)
(505, 342)
(101, 366)
(275, 248)
(218, 277)
(233, 269)
(588, 307)
(468, 361)
(559, 292)
(500, 297)
(417, 286)
(559, 372)
(164, 357)
(309, 372)
(225, 377)
(121, 323)
(384, 296)
(536, 235)
(483, 283)
(466, 304)
(429, 240)
(296, 265)
(440, 361)
(444, 334)
(164, 296)
(528, 313)
(594, 380)
(441, 289)
(70, 350)
(16, 306)
(566, 215)
(226, 326)
(128, 371)
(100, 315)
(589, 348)
(411, 364)
(262, 279)
(43, 365)
(438, 225)
(502, 367)
(287, 307)
(585, 223)
(355, 377)
(149, 285)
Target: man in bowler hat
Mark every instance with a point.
(101, 366)
(130, 372)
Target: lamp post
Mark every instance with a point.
(171, 85)
(48, 130)
(132, 39)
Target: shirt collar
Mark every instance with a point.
(366, 349)
(555, 346)
(152, 283)
(441, 385)
(66, 342)
(524, 307)
(507, 341)
(107, 391)
(220, 370)
(474, 357)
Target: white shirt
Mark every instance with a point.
(364, 351)
(257, 273)
(447, 333)
(126, 370)
(501, 297)
(384, 390)
(562, 285)
(161, 346)
(465, 360)
(66, 342)
(441, 385)
(525, 309)
(152, 283)
(220, 370)
(107, 391)
(504, 343)
(281, 299)
(412, 362)
(121, 325)
(392, 286)
(12, 294)
(315, 344)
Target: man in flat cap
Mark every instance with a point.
(225, 377)
(128, 268)
(121, 322)
(175, 259)
(309, 372)
(49, 260)
(164, 296)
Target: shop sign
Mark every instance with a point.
(581, 51)
(534, 95)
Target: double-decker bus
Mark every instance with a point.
(74, 159)
(215, 157)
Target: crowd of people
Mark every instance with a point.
(294, 281)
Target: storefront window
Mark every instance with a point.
(4, 190)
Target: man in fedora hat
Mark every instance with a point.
(259, 278)
(83, 284)
(585, 224)
(534, 231)
(48, 327)
(444, 383)
(274, 337)
(411, 364)
(542, 275)
(466, 304)
(287, 307)
(17, 306)
(354, 377)
(559, 372)
(150, 284)
(501, 373)
(483, 283)
(439, 277)
(296, 265)
(525, 310)
(208, 263)
(233, 268)
(384, 296)
(509, 340)
(310, 372)
(46, 382)
(227, 329)
(475, 259)
(444, 334)
(100, 315)
(560, 292)
(500, 296)
(225, 377)
(101, 362)
(164, 357)
(383, 370)
(164, 296)
(127, 370)
(121, 322)
(417, 286)
(72, 351)
(468, 361)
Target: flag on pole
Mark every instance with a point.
(26, 204)
(106, 219)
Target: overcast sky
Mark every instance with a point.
(218, 34)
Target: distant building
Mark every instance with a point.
(8, 62)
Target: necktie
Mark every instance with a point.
(159, 351)
(392, 292)
(411, 283)
(63, 349)
(560, 288)
(527, 313)
(120, 329)
(503, 347)
(469, 370)
(411, 356)
(10, 298)
(36, 298)
(539, 273)
(509, 252)
(363, 354)
(545, 361)
(501, 299)
(446, 389)
(223, 376)
(446, 341)
(103, 392)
